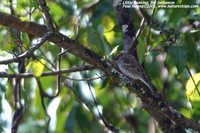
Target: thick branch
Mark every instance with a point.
(130, 40)
(57, 38)
(45, 10)
(128, 29)
(28, 27)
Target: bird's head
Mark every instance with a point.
(118, 56)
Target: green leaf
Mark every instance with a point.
(1, 107)
(37, 67)
(116, 28)
(1, 129)
(114, 50)
(26, 40)
(191, 87)
(22, 4)
(197, 53)
(97, 41)
(101, 36)
(151, 64)
(71, 123)
(94, 41)
(80, 120)
(179, 56)
(104, 83)
(2, 88)
(5, 55)
(141, 49)
(102, 9)
(195, 17)
(56, 11)
(31, 126)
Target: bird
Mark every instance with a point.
(131, 68)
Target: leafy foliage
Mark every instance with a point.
(179, 56)
(74, 109)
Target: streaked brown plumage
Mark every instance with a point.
(130, 67)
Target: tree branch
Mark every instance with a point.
(29, 52)
(45, 10)
(128, 29)
(57, 38)
(29, 75)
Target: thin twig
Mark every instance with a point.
(45, 10)
(46, 59)
(85, 79)
(188, 70)
(18, 113)
(107, 124)
(151, 20)
(42, 96)
(58, 76)
(29, 75)
(128, 29)
(135, 39)
(140, 29)
(144, 14)
(89, 7)
(63, 52)
(84, 102)
(29, 52)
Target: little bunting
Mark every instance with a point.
(131, 68)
